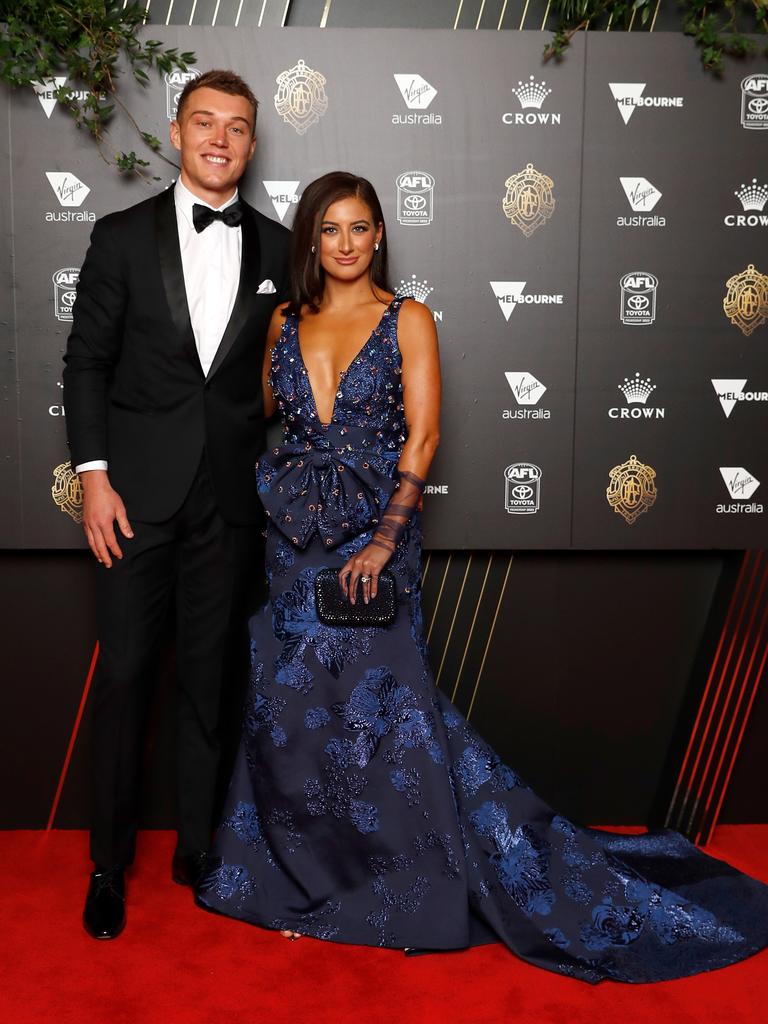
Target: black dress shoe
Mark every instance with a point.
(104, 914)
(189, 868)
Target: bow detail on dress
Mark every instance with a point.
(307, 490)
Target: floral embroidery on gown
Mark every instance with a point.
(364, 808)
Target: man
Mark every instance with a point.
(165, 422)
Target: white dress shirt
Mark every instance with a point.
(210, 260)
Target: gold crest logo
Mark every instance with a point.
(300, 99)
(746, 303)
(67, 492)
(529, 202)
(632, 490)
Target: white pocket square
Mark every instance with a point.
(266, 288)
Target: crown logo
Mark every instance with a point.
(414, 289)
(637, 390)
(753, 197)
(531, 94)
(746, 302)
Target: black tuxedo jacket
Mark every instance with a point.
(135, 392)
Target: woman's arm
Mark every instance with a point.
(417, 339)
(273, 333)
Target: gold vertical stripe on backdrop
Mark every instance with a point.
(215, 14)
(239, 12)
(439, 596)
(425, 571)
(632, 19)
(168, 15)
(480, 15)
(326, 12)
(285, 13)
(192, 12)
(261, 13)
(458, 14)
(546, 15)
(490, 637)
(472, 627)
(453, 621)
(501, 16)
(653, 20)
(522, 20)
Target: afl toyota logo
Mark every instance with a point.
(414, 197)
(521, 488)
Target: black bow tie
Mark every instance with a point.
(202, 216)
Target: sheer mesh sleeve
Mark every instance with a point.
(399, 510)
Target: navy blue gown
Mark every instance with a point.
(365, 809)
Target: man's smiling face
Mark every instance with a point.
(215, 138)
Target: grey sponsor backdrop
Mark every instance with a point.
(468, 141)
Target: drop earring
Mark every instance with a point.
(376, 246)
(313, 250)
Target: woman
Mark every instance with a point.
(363, 807)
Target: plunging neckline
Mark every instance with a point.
(344, 372)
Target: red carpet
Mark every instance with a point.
(175, 963)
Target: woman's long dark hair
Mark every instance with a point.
(307, 277)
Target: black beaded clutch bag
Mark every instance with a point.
(335, 610)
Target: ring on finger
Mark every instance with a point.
(365, 579)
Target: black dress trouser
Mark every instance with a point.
(210, 565)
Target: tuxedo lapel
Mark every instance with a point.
(250, 263)
(169, 251)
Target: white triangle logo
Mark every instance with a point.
(416, 91)
(626, 95)
(728, 392)
(508, 294)
(282, 194)
(526, 389)
(69, 190)
(45, 92)
(642, 195)
(739, 481)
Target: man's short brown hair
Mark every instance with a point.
(223, 81)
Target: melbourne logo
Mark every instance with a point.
(746, 301)
(415, 191)
(419, 290)
(67, 492)
(632, 489)
(512, 293)
(174, 86)
(46, 92)
(522, 487)
(529, 201)
(753, 198)
(730, 391)
(741, 486)
(300, 98)
(531, 96)
(754, 101)
(64, 292)
(642, 197)
(629, 96)
(282, 194)
(638, 298)
(528, 391)
(636, 391)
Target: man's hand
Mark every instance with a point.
(102, 506)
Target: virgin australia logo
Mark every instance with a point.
(629, 96)
(67, 188)
(531, 95)
(416, 91)
(418, 95)
(642, 197)
(282, 194)
(528, 392)
(512, 293)
(741, 486)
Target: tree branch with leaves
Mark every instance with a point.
(89, 43)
